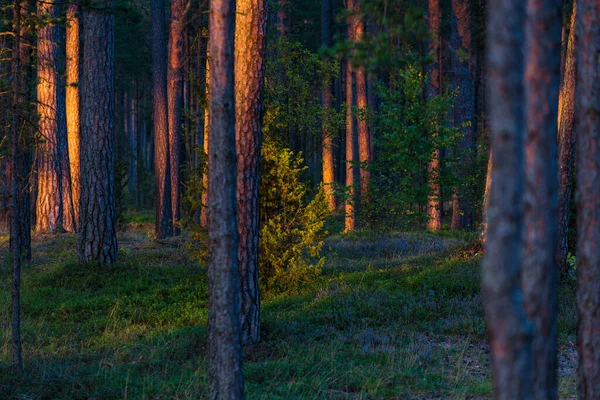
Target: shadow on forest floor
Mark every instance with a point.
(395, 317)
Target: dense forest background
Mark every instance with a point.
(217, 180)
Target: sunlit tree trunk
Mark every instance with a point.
(327, 131)
(225, 375)
(97, 215)
(204, 214)
(486, 197)
(566, 144)
(464, 108)
(175, 100)
(433, 89)
(351, 154)
(72, 101)
(356, 31)
(509, 333)
(249, 77)
(539, 274)
(162, 174)
(587, 125)
(49, 207)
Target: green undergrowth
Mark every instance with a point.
(397, 317)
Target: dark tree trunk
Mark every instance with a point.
(327, 132)
(226, 379)
(509, 332)
(566, 145)
(539, 270)
(175, 100)
(588, 200)
(463, 216)
(98, 222)
(433, 89)
(16, 233)
(249, 72)
(162, 174)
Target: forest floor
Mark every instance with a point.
(392, 317)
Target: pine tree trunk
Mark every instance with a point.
(225, 375)
(588, 200)
(566, 145)
(464, 109)
(539, 274)
(327, 132)
(351, 157)
(204, 213)
(162, 174)
(69, 224)
(98, 222)
(15, 225)
(72, 101)
(250, 29)
(508, 330)
(175, 100)
(49, 207)
(433, 89)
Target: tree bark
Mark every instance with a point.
(351, 156)
(566, 145)
(162, 174)
(539, 275)
(327, 132)
(226, 380)
(72, 101)
(16, 233)
(97, 234)
(175, 100)
(464, 109)
(49, 207)
(250, 29)
(587, 128)
(509, 332)
(433, 89)
(204, 213)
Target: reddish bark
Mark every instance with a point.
(566, 145)
(509, 333)
(174, 105)
(587, 126)
(162, 174)
(225, 375)
(462, 77)
(433, 89)
(250, 32)
(539, 269)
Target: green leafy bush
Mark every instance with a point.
(292, 231)
(407, 130)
